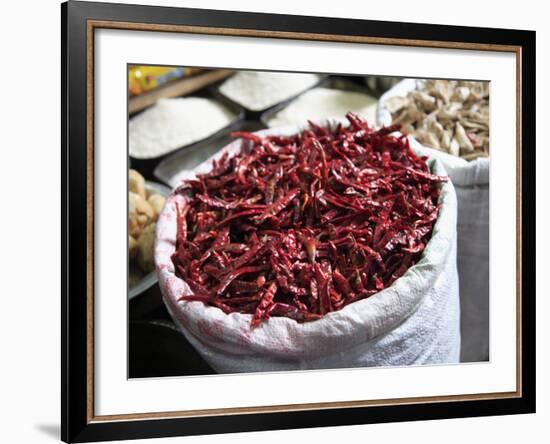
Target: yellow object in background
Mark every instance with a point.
(146, 78)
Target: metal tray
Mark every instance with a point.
(147, 166)
(333, 82)
(168, 169)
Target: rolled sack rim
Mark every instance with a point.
(356, 323)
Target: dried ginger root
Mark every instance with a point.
(143, 212)
(448, 115)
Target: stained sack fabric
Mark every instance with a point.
(415, 321)
(471, 182)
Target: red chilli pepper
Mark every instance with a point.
(300, 226)
(265, 302)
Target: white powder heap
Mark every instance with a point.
(320, 103)
(173, 123)
(259, 90)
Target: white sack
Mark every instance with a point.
(415, 321)
(471, 182)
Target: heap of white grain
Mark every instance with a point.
(257, 90)
(174, 123)
(325, 103)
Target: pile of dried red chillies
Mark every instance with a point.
(304, 225)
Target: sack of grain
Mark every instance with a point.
(415, 321)
(471, 183)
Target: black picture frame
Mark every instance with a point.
(76, 423)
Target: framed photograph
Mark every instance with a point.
(275, 221)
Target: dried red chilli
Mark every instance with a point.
(304, 225)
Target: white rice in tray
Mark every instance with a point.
(256, 90)
(173, 123)
(320, 103)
